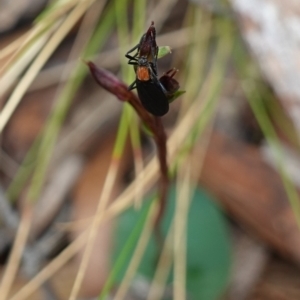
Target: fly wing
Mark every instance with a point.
(152, 97)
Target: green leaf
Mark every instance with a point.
(208, 246)
(163, 51)
(175, 95)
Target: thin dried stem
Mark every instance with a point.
(16, 253)
(163, 268)
(183, 200)
(51, 268)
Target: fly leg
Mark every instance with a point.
(132, 86)
(155, 79)
(130, 57)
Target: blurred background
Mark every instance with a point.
(78, 169)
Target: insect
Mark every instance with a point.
(147, 49)
(151, 91)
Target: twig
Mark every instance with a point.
(161, 143)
